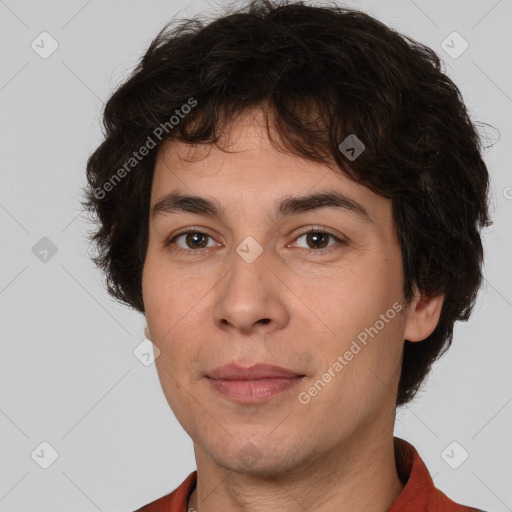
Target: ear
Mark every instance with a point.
(423, 316)
(146, 333)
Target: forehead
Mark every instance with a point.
(248, 171)
(244, 151)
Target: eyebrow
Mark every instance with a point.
(175, 202)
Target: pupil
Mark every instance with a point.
(195, 237)
(315, 236)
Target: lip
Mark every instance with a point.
(253, 391)
(258, 371)
(255, 384)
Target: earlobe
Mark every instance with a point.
(423, 316)
(146, 333)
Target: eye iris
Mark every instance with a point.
(195, 237)
(314, 237)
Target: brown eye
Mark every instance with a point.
(192, 240)
(317, 239)
(196, 240)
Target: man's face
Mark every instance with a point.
(305, 303)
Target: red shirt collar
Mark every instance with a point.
(419, 493)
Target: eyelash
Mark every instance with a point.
(201, 251)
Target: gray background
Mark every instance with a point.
(68, 373)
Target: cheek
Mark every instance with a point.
(175, 316)
(165, 296)
(175, 392)
(363, 343)
(344, 300)
(355, 379)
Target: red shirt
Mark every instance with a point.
(418, 495)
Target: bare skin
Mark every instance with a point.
(296, 305)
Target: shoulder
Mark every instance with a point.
(420, 493)
(175, 501)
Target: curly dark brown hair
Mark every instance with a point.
(325, 72)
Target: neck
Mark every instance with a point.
(360, 476)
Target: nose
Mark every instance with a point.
(250, 298)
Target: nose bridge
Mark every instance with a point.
(248, 295)
(249, 264)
